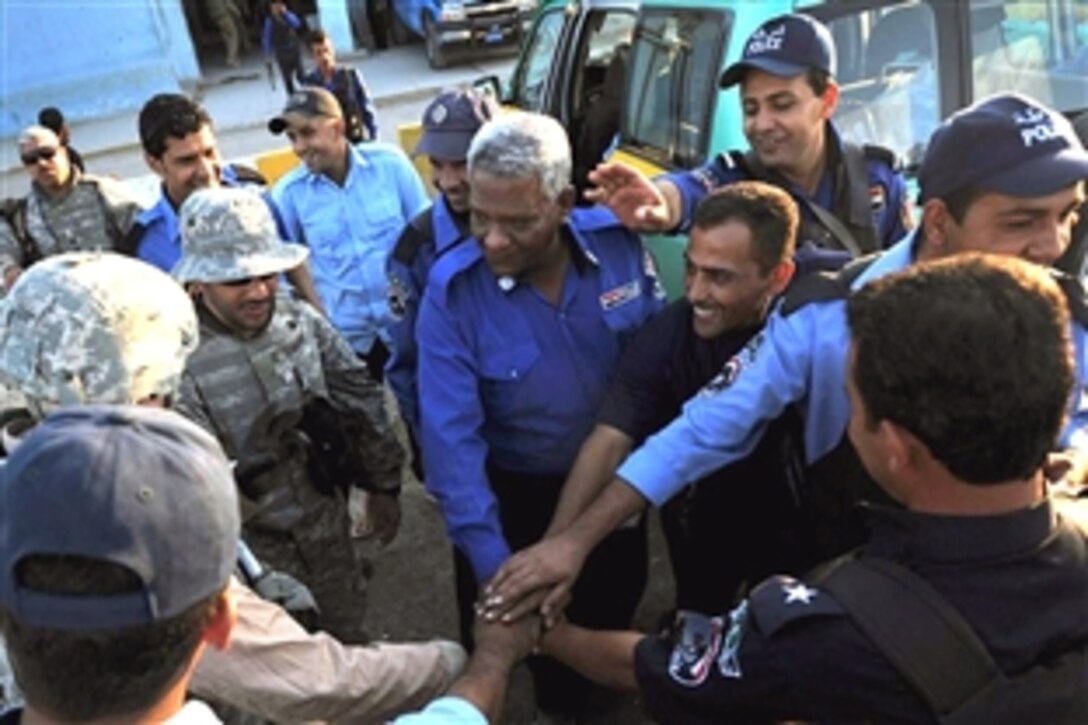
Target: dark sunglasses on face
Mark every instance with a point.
(248, 280)
(32, 157)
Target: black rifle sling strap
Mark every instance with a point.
(926, 640)
(828, 220)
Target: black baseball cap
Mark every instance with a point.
(786, 46)
(1009, 144)
(309, 101)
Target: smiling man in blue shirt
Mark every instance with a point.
(518, 334)
(348, 204)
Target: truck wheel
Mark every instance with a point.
(436, 54)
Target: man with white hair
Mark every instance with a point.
(65, 211)
(518, 335)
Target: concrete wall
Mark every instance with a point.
(336, 22)
(92, 58)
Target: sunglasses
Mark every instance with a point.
(32, 157)
(248, 280)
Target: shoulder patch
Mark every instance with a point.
(697, 639)
(780, 600)
(882, 154)
(734, 366)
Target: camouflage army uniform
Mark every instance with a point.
(81, 328)
(251, 392)
(95, 214)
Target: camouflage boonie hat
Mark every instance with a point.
(95, 327)
(229, 234)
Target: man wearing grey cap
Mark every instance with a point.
(80, 329)
(450, 122)
(853, 200)
(1004, 176)
(347, 204)
(120, 531)
(288, 401)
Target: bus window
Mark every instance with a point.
(1037, 48)
(675, 59)
(890, 87)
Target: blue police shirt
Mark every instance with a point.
(800, 358)
(407, 269)
(447, 710)
(509, 379)
(887, 191)
(350, 230)
(160, 242)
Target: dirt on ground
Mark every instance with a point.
(411, 597)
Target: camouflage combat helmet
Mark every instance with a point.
(94, 327)
(229, 234)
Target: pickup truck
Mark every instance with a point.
(449, 26)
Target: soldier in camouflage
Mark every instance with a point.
(81, 328)
(266, 369)
(65, 210)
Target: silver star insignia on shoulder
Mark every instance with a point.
(798, 593)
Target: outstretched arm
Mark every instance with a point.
(642, 204)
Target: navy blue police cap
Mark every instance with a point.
(1008, 144)
(786, 46)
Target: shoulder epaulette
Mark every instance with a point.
(883, 154)
(781, 600)
(824, 286)
(418, 232)
(452, 264)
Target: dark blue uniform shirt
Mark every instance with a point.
(790, 652)
(506, 378)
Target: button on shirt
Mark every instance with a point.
(803, 360)
(508, 378)
(350, 230)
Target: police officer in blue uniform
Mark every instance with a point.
(449, 123)
(518, 334)
(853, 199)
(957, 437)
(1004, 176)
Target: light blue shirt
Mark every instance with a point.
(801, 358)
(350, 231)
(448, 710)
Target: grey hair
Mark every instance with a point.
(519, 145)
(37, 134)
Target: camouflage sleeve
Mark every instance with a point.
(10, 253)
(191, 404)
(120, 202)
(352, 391)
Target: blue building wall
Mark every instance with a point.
(92, 58)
